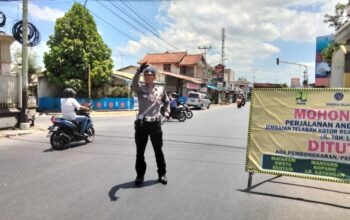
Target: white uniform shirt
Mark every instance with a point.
(147, 97)
(67, 107)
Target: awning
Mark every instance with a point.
(211, 86)
(129, 76)
(188, 78)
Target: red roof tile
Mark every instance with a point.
(167, 57)
(192, 59)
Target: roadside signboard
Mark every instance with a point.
(301, 133)
(219, 71)
(322, 68)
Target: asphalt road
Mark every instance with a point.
(205, 167)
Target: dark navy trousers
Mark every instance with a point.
(154, 131)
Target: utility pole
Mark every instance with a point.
(253, 71)
(24, 117)
(205, 51)
(223, 46)
(306, 77)
(89, 81)
(121, 60)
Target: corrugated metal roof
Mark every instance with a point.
(188, 78)
(130, 76)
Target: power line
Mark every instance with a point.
(142, 25)
(186, 18)
(121, 18)
(91, 0)
(137, 14)
(170, 12)
(123, 33)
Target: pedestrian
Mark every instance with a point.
(148, 122)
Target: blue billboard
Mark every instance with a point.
(322, 68)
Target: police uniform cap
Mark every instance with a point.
(150, 70)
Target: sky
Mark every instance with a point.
(256, 31)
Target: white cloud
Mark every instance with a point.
(252, 27)
(45, 13)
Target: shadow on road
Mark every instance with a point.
(271, 180)
(299, 199)
(71, 145)
(129, 185)
(183, 142)
(312, 187)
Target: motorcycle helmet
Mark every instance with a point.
(174, 95)
(69, 93)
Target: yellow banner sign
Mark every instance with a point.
(300, 132)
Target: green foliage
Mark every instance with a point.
(33, 66)
(327, 52)
(119, 91)
(242, 79)
(340, 18)
(74, 46)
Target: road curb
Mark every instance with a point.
(18, 132)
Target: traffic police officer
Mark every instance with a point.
(148, 122)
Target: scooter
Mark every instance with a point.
(186, 109)
(239, 103)
(179, 115)
(63, 131)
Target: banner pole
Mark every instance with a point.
(250, 179)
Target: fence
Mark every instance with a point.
(8, 91)
(53, 104)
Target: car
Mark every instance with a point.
(198, 100)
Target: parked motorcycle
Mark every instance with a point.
(63, 131)
(186, 109)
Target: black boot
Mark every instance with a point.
(138, 180)
(163, 179)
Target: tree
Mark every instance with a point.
(242, 79)
(339, 19)
(74, 46)
(33, 66)
(327, 52)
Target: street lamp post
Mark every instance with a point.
(305, 82)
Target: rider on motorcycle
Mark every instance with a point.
(68, 106)
(173, 104)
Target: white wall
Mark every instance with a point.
(8, 91)
(46, 89)
(337, 74)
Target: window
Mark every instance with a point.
(183, 70)
(167, 67)
(193, 95)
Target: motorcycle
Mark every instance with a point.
(63, 131)
(239, 103)
(179, 115)
(186, 109)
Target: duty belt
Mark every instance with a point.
(149, 119)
